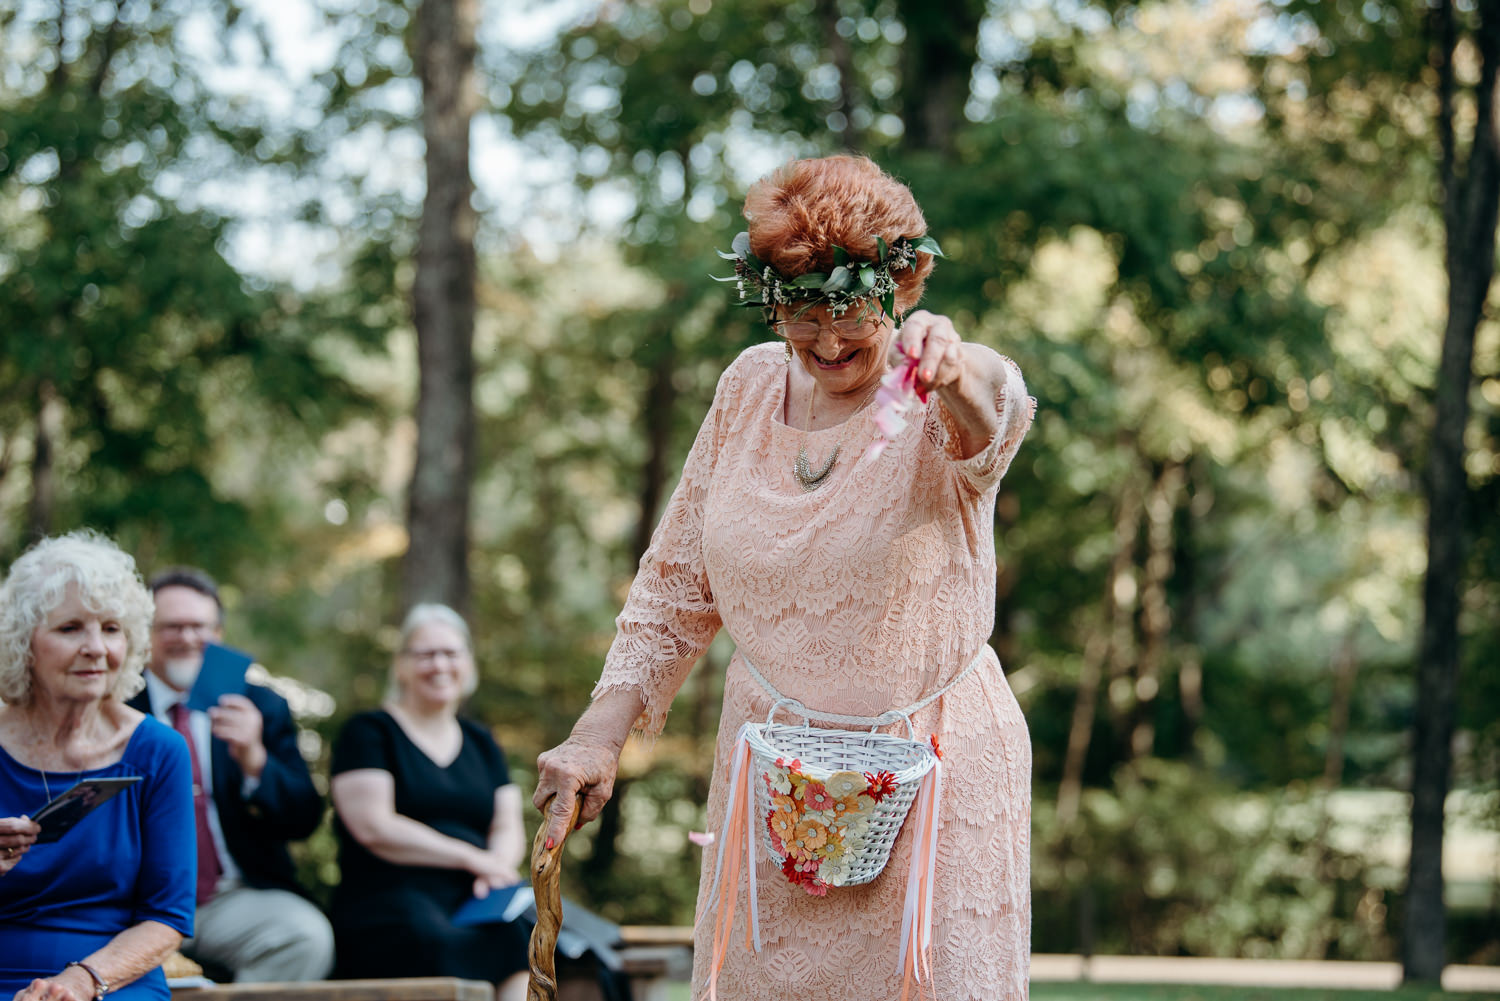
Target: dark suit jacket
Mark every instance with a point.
(284, 807)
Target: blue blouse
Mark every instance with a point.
(133, 859)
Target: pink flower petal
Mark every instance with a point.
(701, 838)
(890, 423)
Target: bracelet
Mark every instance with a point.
(101, 986)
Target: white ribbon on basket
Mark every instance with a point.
(915, 959)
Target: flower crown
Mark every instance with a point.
(850, 283)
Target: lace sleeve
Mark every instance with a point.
(1015, 410)
(670, 618)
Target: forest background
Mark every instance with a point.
(1212, 233)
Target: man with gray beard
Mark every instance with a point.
(252, 793)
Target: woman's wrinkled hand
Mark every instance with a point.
(65, 986)
(582, 765)
(17, 835)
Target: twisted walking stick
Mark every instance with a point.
(546, 870)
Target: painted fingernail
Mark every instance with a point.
(927, 373)
(549, 844)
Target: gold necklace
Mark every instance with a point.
(802, 468)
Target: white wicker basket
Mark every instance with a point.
(860, 827)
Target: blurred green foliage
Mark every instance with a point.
(1204, 231)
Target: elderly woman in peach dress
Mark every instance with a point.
(852, 580)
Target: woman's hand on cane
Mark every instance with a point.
(584, 765)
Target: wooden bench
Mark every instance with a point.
(412, 989)
(654, 956)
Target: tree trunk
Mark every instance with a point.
(656, 415)
(1345, 667)
(43, 479)
(1099, 650)
(1156, 614)
(942, 41)
(841, 54)
(436, 566)
(1470, 194)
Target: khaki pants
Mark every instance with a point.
(262, 936)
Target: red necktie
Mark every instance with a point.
(209, 869)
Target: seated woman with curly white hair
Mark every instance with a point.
(100, 908)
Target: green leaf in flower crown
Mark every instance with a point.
(882, 249)
(741, 244)
(840, 256)
(812, 279)
(927, 245)
(725, 278)
(728, 256)
(888, 302)
(840, 280)
(867, 275)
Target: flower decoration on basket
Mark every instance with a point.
(818, 826)
(852, 283)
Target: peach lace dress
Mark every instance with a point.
(857, 597)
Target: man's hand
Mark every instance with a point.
(237, 722)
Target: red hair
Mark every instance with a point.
(799, 212)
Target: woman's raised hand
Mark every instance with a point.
(17, 835)
(933, 342)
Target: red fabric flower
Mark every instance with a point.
(816, 796)
(804, 873)
(882, 784)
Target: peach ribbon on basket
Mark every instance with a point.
(915, 960)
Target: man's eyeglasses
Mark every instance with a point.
(847, 329)
(182, 628)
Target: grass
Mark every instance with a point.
(1184, 992)
(1079, 991)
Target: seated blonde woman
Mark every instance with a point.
(426, 817)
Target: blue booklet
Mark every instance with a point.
(504, 904)
(222, 673)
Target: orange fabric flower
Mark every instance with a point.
(811, 835)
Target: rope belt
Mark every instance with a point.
(873, 722)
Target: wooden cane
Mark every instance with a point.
(546, 870)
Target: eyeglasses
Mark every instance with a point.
(182, 628)
(432, 656)
(807, 331)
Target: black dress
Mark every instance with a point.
(396, 920)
